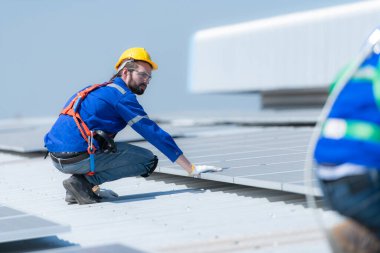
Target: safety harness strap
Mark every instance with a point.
(73, 110)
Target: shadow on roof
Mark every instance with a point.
(44, 243)
(150, 195)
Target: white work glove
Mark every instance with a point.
(104, 193)
(198, 169)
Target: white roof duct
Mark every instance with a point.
(296, 51)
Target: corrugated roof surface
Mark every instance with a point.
(166, 213)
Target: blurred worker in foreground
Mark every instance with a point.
(81, 140)
(348, 158)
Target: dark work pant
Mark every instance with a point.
(128, 161)
(356, 197)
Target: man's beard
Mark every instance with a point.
(137, 89)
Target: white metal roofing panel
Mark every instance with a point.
(23, 137)
(16, 225)
(299, 187)
(299, 50)
(9, 157)
(164, 213)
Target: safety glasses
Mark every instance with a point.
(143, 75)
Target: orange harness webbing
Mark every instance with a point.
(87, 134)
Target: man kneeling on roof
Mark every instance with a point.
(81, 141)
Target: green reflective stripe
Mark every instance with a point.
(340, 75)
(366, 73)
(362, 130)
(351, 129)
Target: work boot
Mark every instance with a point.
(70, 198)
(350, 236)
(80, 189)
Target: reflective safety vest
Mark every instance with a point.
(351, 133)
(335, 128)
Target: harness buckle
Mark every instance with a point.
(91, 152)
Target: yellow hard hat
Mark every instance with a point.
(138, 54)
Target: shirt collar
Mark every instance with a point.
(120, 82)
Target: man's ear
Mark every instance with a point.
(124, 71)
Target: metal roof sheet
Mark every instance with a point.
(16, 225)
(166, 213)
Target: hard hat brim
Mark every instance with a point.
(136, 54)
(154, 65)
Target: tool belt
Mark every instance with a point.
(68, 157)
(106, 144)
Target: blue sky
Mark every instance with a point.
(49, 49)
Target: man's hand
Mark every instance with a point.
(104, 193)
(198, 169)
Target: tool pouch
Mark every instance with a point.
(106, 143)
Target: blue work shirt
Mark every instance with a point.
(108, 109)
(355, 102)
